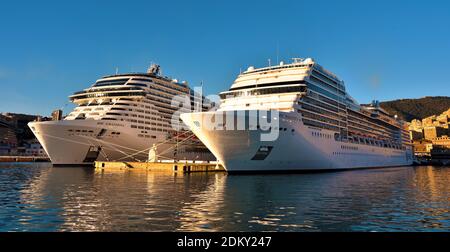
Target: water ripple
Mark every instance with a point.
(38, 197)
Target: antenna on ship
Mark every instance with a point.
(278, 52)
(297, 60)
(199, 98)
(154, 69)
(269, 62)
(117, 70)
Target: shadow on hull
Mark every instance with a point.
(307, 171)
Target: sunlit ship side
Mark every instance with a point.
(121, 118)
(321, 127)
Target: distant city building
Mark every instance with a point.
(422, 148)
(15, 136)
(415, 135)
(444, 141)
(57, 115)
(34, 148)
(431, 135)
(8, 137)
(431, 127)
(432, 132)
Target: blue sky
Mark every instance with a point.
(382, 49)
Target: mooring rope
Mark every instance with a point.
(112, 146)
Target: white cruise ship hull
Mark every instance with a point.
(81, 142)
(298, 148)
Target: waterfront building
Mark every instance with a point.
(15, 133)
(422, 148)
(8, 137)
(442, 141)
(320, 126)
(120, 118)
(430, 135)
(34, 148)
(416, 130)
(415, 135)
(57, 115)
(432, 132)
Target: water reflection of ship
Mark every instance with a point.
(366, 200)
(18, 188)
(203, 211)
(86, 200)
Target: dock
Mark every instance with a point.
(184, 168)
(27, 159)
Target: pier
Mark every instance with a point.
(23, 159)
(184, 168)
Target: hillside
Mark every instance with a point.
(409, 109)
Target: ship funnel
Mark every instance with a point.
(376, 103)
(154, 69)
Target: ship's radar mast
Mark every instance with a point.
(154, 69)
(297, 60)
(302, 60)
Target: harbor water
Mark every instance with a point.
(39, 197)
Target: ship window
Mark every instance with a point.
(268, 85)
(324, 92)
(111, 82)
(142, 79)
(326, 84)
(137, 84)
(264, 91)
(116, 114)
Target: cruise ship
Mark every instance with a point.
(298, 116)
(124, 117)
